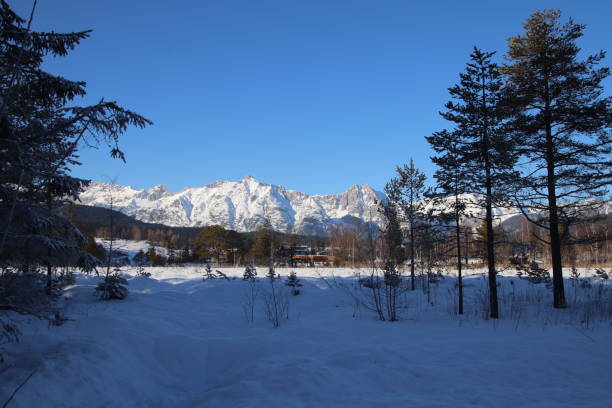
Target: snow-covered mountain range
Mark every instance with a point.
(244, 205)
(239, 205)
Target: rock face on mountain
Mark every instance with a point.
(239, 205)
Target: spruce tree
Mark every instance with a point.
(40, 132)
(564, 125)
(406, 191)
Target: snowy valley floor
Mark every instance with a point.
(178, 341)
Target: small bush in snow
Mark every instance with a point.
(272, 274)
(112, 287)
(208, 273)
(276, 301)
(600, 273)
(533, 273)
(381, 292)
(250, 273)
(140, 272)
(276, 304)
(293, 282)
(249, 299)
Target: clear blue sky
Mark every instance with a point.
(313, 95)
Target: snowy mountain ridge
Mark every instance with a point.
(239, 205)
(244, 205)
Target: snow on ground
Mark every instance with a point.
(179, 341)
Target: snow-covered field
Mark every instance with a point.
(179, 341)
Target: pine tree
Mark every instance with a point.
(452, 183)
(485, 150)
(406, 191)
(564, 125)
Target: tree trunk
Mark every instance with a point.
(459, 277)
(555, 240)
(494, 310)
(412, 255)
(491, 258)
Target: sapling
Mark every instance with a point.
(250, 273)
(275, 301)
(251, 293)
(293, 282)
(113, 286)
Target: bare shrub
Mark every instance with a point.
(276, 302)
(382, 292)
(249, 299)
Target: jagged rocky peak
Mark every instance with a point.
(157, 192)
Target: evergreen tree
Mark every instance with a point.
(483, 147)
(452, 183)
(406, 191)
(212, 242)
(272, 275)
(392, 232)
(564, 124)
(481, 238)
(95, 249)
(294, 282)
(40, 132)
(250, 273)
(263, 243)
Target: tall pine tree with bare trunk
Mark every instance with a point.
(486, 151)
(452, 183)
(564, 124)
